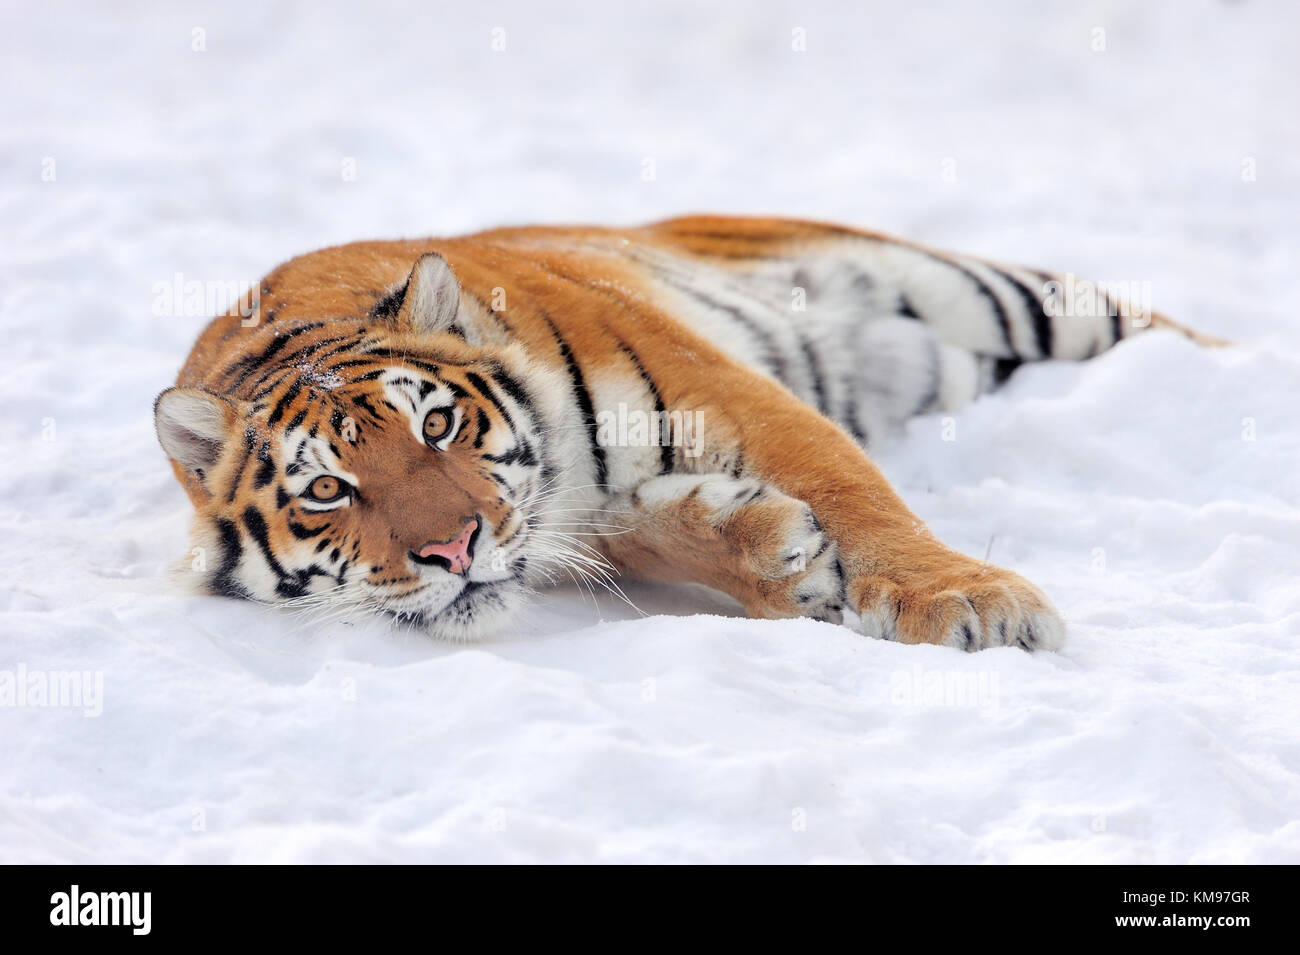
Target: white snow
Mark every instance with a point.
(1153, 492)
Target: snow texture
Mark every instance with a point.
(1152, 492)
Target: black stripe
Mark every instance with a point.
(1003, 367)
(265, 470)
(282, 405)
(1037, 310)
(349, 342)
(250, 363)
(1116, 319)
(256, 525)
(584, 399)
(665, 446)
(486, 391)
(403, 358)
(738, 254)
(289, 585)
(352, 363)
(314, 347)
(738, 465)
(270, 380)
(773, 359)
(511, 387)
(995, 303)
(361, 401)
(243, 463)
(232, 550)
(303, 532)
(482, 425)
(815, 372)
(521, 453)
(851, 410)
(724, 236)
(391, 303)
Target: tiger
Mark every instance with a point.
(434, 429)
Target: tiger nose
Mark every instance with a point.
(454, 555)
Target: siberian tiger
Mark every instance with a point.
(431, 428)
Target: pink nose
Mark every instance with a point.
(458, 553)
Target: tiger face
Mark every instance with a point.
(402, 474)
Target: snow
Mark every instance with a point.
(1152, 492)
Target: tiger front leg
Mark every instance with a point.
(738, 535)
(903, 583)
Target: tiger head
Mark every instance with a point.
(361, 464)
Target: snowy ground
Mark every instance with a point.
(1153, 493)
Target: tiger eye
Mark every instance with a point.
(436, 425)
(324, 488)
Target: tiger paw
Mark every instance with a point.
(795, 564)
(739, 535)
(970, 607)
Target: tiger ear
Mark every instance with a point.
(431, 297)
(192, 426)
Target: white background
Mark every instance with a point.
(1166, 730)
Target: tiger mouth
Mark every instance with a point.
(467, 592)
(467, 601)
(479, 595)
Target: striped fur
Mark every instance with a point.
(789, 344)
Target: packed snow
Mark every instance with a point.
(1152, 492)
